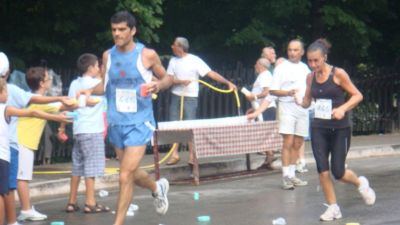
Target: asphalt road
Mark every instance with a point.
(254, 201)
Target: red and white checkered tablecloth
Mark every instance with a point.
(236, 139)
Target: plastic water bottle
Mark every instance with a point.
(103, 193)
(73, 115)
(279, 221)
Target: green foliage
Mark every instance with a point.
(148, 13)
(361, 31)
(59, 31)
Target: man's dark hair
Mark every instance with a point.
(84, 61)
(34, 75)
(124, 16)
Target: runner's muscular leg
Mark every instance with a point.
(129, 162)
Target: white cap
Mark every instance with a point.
(4, 64)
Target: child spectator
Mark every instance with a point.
(88, 153)
(29, 132)
(5, 113)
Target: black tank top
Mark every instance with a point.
(329, 90)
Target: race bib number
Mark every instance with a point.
(126, 100)
(323, 109)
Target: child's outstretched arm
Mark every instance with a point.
(12, 111)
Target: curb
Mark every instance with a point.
(61, 186)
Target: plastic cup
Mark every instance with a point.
(196, 196)
(133, 207)
(82, 101)
(57, 223)
(279, 221)
(203, 218)
(144, 90)
(74, 115)
(103, 193)
(63, 137)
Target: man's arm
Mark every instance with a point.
(264, 105)
(263, 94)
(99, 89)
(180, 82)
(282, 93)
(152, 61)
(219, 78)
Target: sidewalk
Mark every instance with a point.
(58, 183)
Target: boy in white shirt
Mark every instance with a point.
(88, 153)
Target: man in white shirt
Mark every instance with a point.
(289, 84)
(186, 69)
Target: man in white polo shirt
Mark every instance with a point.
(186, 69)
(289, 84)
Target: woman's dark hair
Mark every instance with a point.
(320, 44)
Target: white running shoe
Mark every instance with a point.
(287, 183)
(160, 197)
(301, 168)
(298, 182)
(31, 215)
(331, 213)
(366, 191)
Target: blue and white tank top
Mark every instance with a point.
(125, 74)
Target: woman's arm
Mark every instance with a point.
(344, 81)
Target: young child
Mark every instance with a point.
(88, 153)
(18, 98)
(29, 132)
(5, 113)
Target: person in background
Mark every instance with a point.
(259, 92)
(19, 98)
(185, 69)
(289, 83)
(8, 131)
(88, 152)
